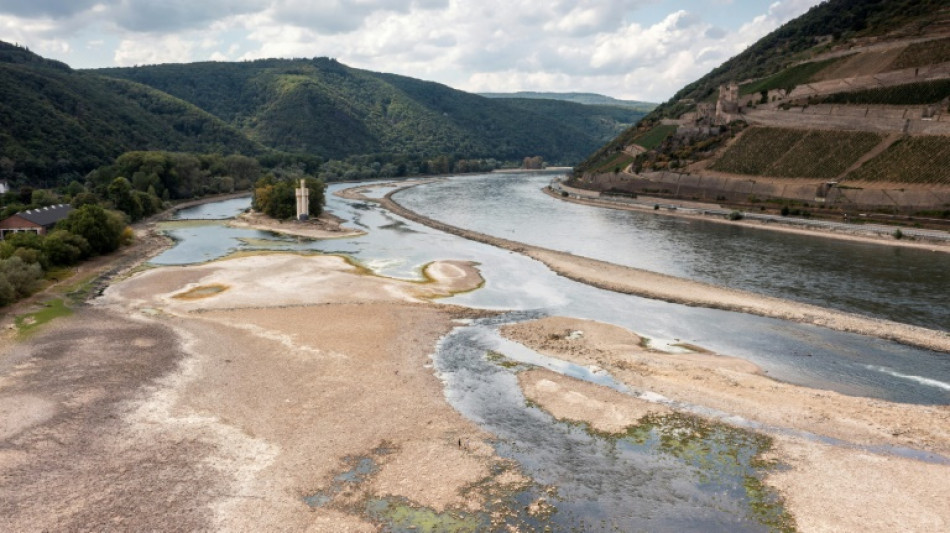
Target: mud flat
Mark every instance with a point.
(262, 393)
(841, 476)
(658, 286)
(326, 226)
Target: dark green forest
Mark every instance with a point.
(322, 107)
(60, 124)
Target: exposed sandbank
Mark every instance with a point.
(658, 286)
(266, 376)
(827, 487)
(326, 226)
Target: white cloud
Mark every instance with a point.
(560, 45)
(167, 49)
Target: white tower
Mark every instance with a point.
(303, 201)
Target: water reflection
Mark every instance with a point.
(796, 353)
(902, 284)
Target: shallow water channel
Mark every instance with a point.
(671, 474)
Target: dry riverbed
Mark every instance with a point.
(234, 395)
(288, 392)
(828, 487)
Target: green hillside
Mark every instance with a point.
(604, 121)
(323, 107)
(775, 60)
(59, 124)
(577, 98)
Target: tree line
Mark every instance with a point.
(135, 186)
(139, 184)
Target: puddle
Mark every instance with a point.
(202, 291)
(359, 470)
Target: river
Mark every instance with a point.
(796, 353)
(635, 481)
(901, 284)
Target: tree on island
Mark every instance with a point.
(536, 162)
(275, 197)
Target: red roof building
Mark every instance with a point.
(38, 220)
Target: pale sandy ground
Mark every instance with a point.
(217, 397)
(658, 286)
(827, 488)
(326, 226)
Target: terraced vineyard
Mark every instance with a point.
(756, 150)
(617, 162)
(651, 139)
(928, 92)
(921, 160)
(925, 53)
(790, 153)
(789, 78)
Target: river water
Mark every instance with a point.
(638, 481)
(901, 284)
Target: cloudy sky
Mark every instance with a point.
(633, 49)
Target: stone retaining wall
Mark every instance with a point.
(713, 188)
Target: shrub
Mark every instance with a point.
(735, 215)
(7, 293)
(23, 277)
(127, 237)
(64, 248)
(102, 229)
(898, 234)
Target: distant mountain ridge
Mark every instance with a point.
(578, 98)
(324, 107)
(60, 123)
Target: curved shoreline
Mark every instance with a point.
(638, 282)
(853, 234)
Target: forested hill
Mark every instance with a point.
(577, 98)
(323, 107)
(59, 123)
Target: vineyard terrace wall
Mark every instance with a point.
(713, 188)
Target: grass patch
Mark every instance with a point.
(921, 54)
(654, 137)
(618, 162)
(500, 360)
(53, 309)
(789, 78)
(922, 93)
